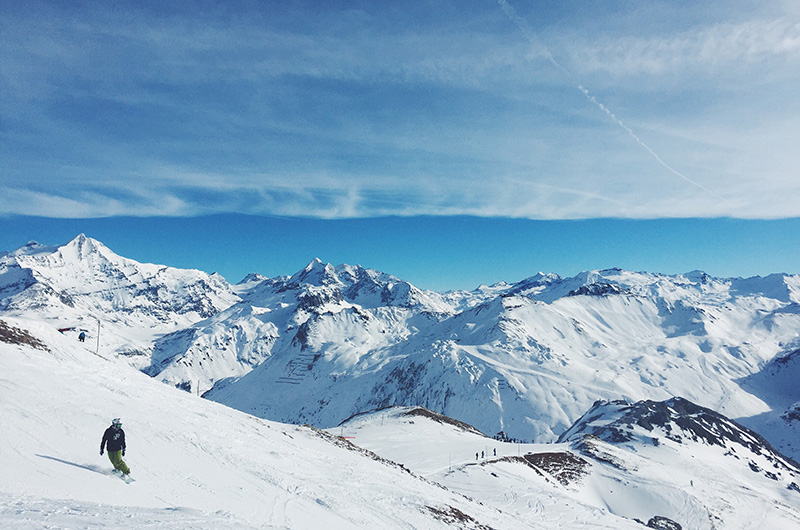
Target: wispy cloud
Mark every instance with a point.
(386, 111)
(89, 203)
(705, 51)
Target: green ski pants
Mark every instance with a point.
(116, 460)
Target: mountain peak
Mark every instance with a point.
(30, 248)
(317, 273)
(678, 420)
(74, 253)
(84, 277)
(252, 278)
(82, 248)
(32, 245)
(697, 276)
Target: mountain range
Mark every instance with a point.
(526, 358)
(612, 396)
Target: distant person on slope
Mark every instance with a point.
(115, 438)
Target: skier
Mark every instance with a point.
(115, 438)
(82, 336)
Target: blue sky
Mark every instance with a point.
(440, 253)
(479, 114)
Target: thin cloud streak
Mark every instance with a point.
(702, 51)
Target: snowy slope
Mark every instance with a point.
(620, 463)
(464, 460)
(777, 385)
(196, 464)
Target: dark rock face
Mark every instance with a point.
(787, 359)
(564, 466)
(311, 300)
(598, 289)
(302, 337)
(12, 335)
(441, 418)
(662, 523)
(678, 418)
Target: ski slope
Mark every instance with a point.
(196, 464)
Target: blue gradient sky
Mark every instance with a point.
(409, 116)
(439, 253)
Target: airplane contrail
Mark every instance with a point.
(644, 145)
(523, 25)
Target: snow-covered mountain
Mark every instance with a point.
(525, 358)
(274, 316)
(328, 343)
(81, 284)
(695, 454)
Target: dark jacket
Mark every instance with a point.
(115, 438)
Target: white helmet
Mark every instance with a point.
(116, 422)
